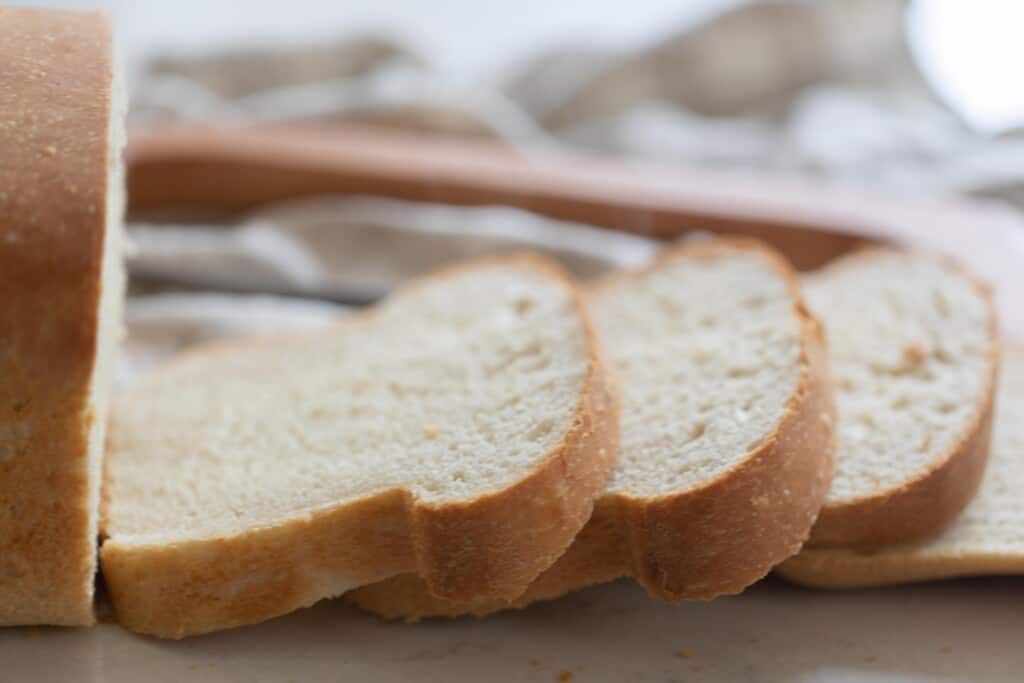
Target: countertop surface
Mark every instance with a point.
(965, 630)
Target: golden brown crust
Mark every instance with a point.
(494, 545)
(598, 554)
(927, 503)
(850, 568)
(697, 544)
(56, 75)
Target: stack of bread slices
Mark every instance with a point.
(491, 435)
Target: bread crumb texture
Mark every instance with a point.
(457, 387)
(909, 338)
(723, 359)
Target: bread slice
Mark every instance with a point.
(727, 434)
(61, 286)
(986, 538)
(461, 430)
(914, 351)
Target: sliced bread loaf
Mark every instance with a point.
(914, 353)
(727, 434)
(461, 430)
(61, 200)
(987, 538)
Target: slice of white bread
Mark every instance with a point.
(461, 429)
(61, 286)
(915, 352)
(987, 538)
(727, 434)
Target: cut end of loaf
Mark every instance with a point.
(111, 301)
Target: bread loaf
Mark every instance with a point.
(61, 203)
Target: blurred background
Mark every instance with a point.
(901, 115)
(913, 94)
